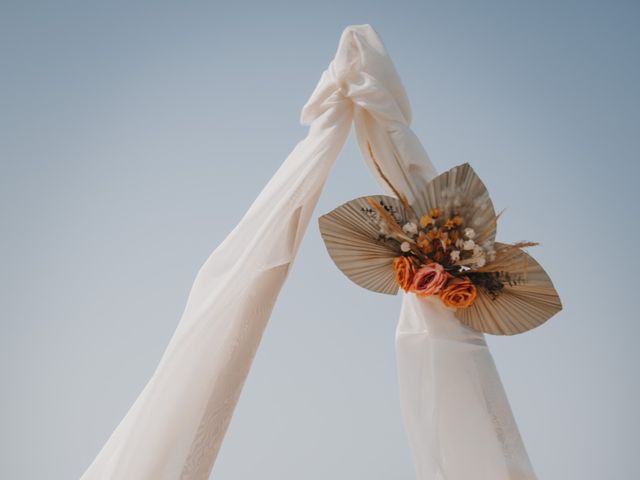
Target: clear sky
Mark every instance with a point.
(134, 135)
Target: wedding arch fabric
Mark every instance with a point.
(456, 414)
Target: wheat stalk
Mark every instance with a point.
(402, 197)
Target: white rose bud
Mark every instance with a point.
(468, 245)
(481, 262)
(405, 247)
(469, 233)
(455, 255)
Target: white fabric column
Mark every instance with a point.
(456, 413)
(175, 427)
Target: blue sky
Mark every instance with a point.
(133, 136)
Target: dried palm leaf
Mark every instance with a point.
(528, 299)
(354, 236)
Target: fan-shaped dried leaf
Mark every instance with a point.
(352, 238)
(460, 191)
(527, 303)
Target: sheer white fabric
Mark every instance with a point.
(456, 413)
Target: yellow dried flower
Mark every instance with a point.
(426, 246)
(458, 220)
(425, 221)
(424, 243)
(435, 212)
(433, 234)
(449, 224)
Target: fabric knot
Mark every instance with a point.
(363, 74)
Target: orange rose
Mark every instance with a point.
(404, 270)
(459, 293)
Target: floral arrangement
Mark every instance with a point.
(442, 244)
(440, 255)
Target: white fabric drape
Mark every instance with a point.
(456, 413)
(175, 428)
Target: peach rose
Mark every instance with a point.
(459, 293)
(429, 280)
(404, 270)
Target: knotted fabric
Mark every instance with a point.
(456, 414)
